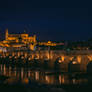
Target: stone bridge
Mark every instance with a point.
(83, 57)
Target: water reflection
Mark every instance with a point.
(26, 75)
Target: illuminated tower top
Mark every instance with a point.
(6, 34)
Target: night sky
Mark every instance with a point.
(49, 20)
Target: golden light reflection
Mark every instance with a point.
(1, 67)
(13, 54)
(26, 55)
(62, 58)
(4, 70)
(29, 73)
(37, 75)
(90, 57)
(47, 79)
(74, 81)
(61, 79)
(25, 80)
(9, 70)
(15, 72)
(18, 54)
(22, 73)
(10, 57)
(41, 77)
(79, 59)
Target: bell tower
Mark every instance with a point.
(6, 34)
(34, 37)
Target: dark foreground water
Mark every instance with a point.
(14, 79)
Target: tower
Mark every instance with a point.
(6, 34)
(34, 37)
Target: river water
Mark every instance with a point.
(44, 77)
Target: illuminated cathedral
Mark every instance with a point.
(19, 40)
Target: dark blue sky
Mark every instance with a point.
(49, 20)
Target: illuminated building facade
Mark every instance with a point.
(49, 43)
(24, 41)
(19, 40)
